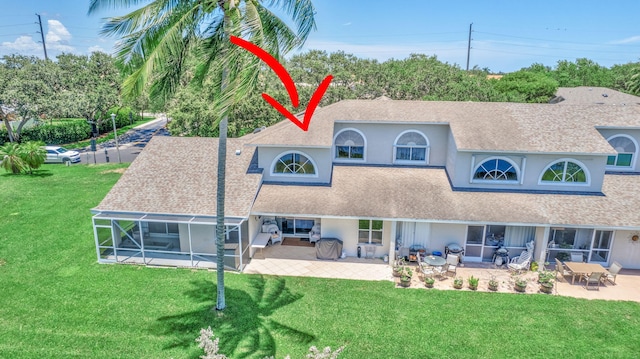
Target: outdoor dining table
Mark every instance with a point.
(434, 261)
(580, 268)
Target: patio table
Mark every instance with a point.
(580, 268)
(434, 261)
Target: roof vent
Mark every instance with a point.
(605, 95)
(238, 152)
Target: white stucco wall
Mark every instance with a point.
(347, 231)
(625, 251)
(532, 165)
(634, 135)
(380, 138)
(320, 156)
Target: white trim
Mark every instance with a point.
(493, 158)
(364, 150)
(411, 162)
(635, 154)
(584, 168)
(292, 175)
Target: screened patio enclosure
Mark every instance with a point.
(174, 241)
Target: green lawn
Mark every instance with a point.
(57, 302)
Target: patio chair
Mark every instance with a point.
(593, 279)
(560, 269)
(441, 271)
(452, 261)
(577, 257)
(613, 272)
(521, 262)
(314, 234)
(423, 268)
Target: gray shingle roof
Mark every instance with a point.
(425, 194)
(476, 126)
(595, 95)
(179, 176)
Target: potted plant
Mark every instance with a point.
(545, 278)
(473, 282)
(428, 281)
(520, 285)
(493, 284)
(397, 267)
(405, 277)
(457, 283)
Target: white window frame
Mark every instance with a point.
(633, 159)
(496, 181)
(296, 175)
(411, 162)
(364, 149)
(370, 230)
(564, 182)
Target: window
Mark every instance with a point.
(564, 172)
(496, 170)
(349, 145)
(369, 231)
(294, 163)
(411, 146)
(626, 149)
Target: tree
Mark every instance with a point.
(32, 154)
(159, 37)
(524, 86)
(11, 160)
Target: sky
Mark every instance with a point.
(506, 35)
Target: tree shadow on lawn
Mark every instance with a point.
(35, 173)
(245, 324)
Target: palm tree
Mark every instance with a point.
(10, 158)
(32, 154)
(159, 38)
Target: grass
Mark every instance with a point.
(57, 302)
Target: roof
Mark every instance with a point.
(583, 95)
(177, 175)
(476, 126)
(398, 195)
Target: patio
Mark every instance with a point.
(302, 262)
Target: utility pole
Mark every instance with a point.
(44, 46)
(469, 46)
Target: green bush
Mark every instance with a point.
(122, 118)
(72, 131)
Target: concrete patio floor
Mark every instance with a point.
(302, 262)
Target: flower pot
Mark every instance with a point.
(405, 282)
(428, 284)
(473, 287)
(546, 288)
(520, 288)
(396, 272)
(493, 287)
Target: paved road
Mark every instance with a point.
(129, 145)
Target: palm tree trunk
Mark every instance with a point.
(220, 228)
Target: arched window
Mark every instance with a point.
(411, 146)
(496, 169)
(565, 171)
(294, 163)
(349, 144)
(626, 149)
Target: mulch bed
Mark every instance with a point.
(298, 242)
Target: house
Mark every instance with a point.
(389, 176)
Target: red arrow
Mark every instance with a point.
(289, 85)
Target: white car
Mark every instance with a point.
(57, 154)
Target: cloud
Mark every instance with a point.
(23, 44)
(628, 40)
(347, 24)
(58, 37)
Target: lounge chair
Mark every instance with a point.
(521, 262)
(441, 271)
(613, 272)
(593, 279)
(560, 269)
